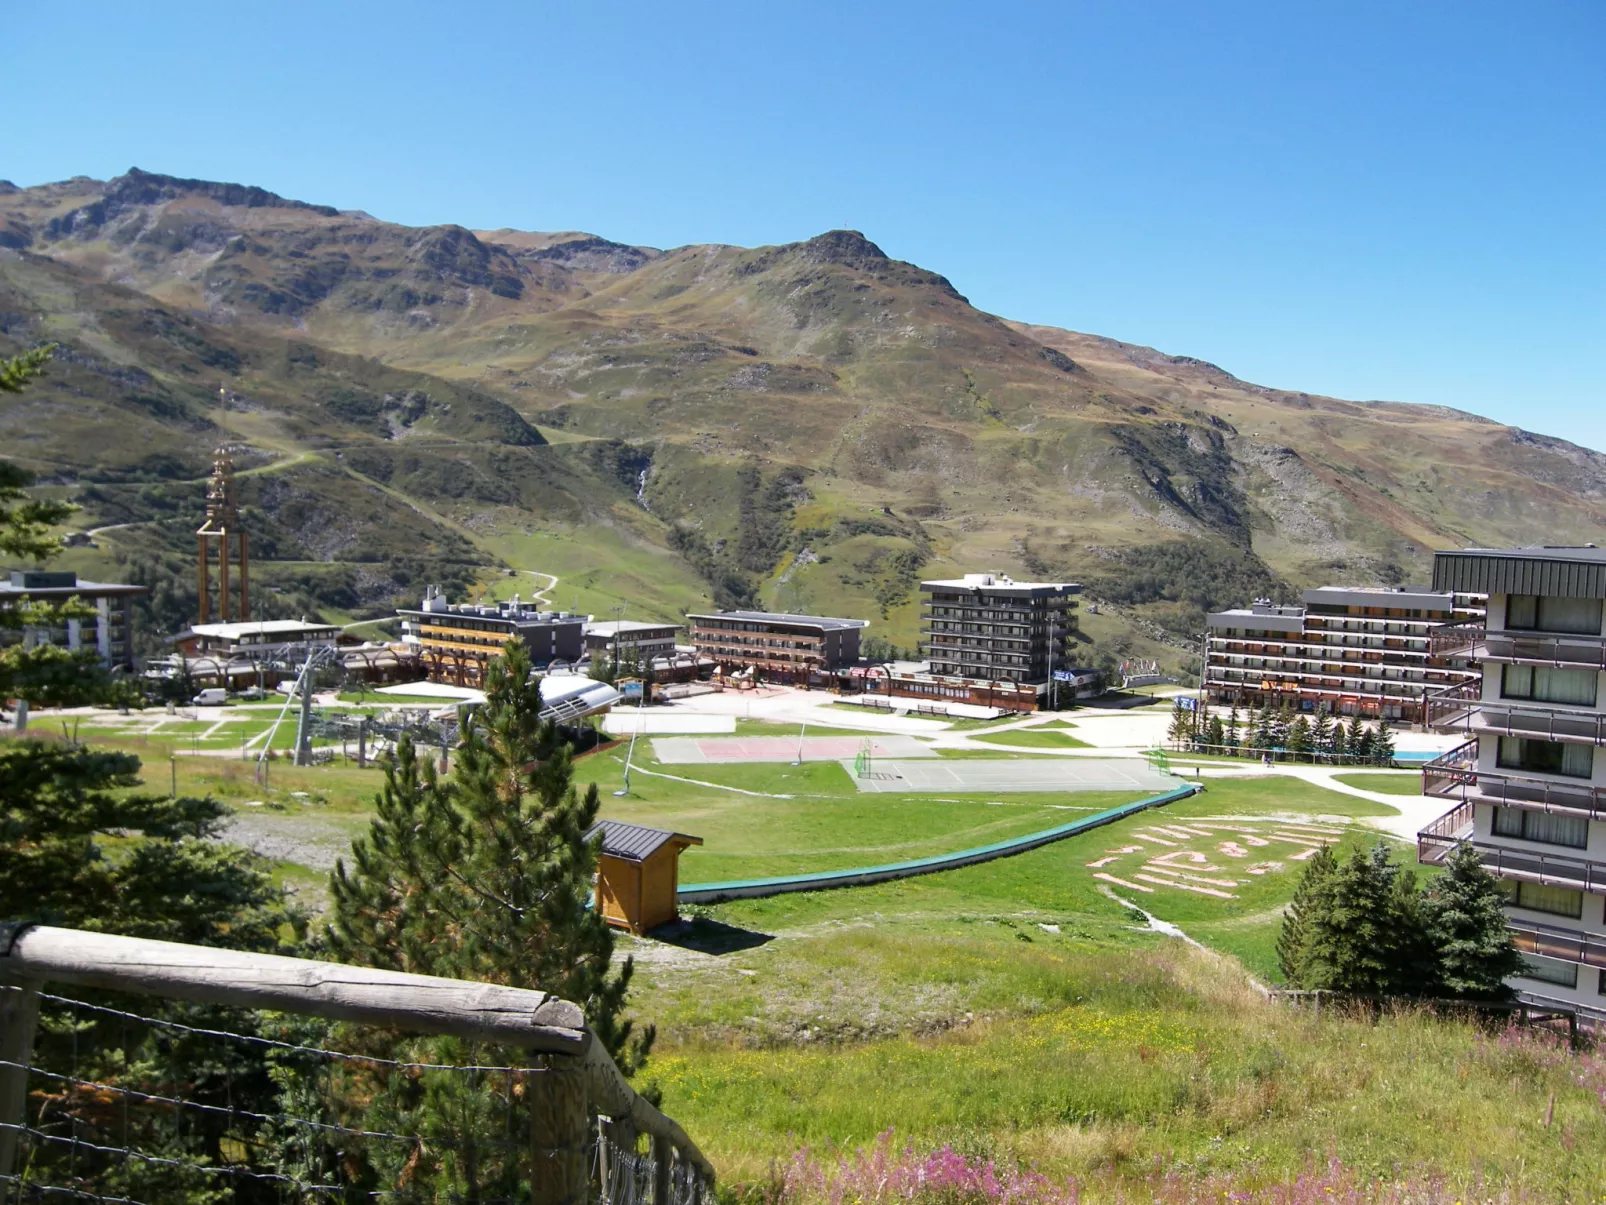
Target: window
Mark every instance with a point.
(1558, 901)
(1550, 970)
(1546, 684)
(1546, 827)
(1544, 613)
(1545, 757)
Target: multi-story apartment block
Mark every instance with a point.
(1529, 783)
(107, 630)
(456, 642)
(1351, 651)
(786, 648)
(989, 627)
(630, 640)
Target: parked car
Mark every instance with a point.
(252, 693)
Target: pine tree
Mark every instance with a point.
(1215, 733)
(1281, 720)
(1360, 931)
(1291, 941)
(1233, 728)
(1356, 738)
(1263, 731)
(1383, 744)
(488, 876)
(82, 846)
(1299, 736)
(1339, 742)
(1321, 734)
(1466, 921)
(1181, 723)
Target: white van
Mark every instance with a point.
(212, 696)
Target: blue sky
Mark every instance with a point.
(1371, 200)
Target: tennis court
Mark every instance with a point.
(689, 751)
(1004, 777)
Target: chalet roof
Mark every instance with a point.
(635, 842)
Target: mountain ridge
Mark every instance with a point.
(811, 425)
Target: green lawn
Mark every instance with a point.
(1384, 782)
(1033, 738)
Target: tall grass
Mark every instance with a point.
(1169, 1073)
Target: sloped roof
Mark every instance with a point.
(635, 842)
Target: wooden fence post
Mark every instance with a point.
(19, 1014)
(663, 1152)
(558, 1131)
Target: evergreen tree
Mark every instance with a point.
(1291, 941)
(1215, 733)
(1281, 720)
(1321, 733)
(1338, 743)
(1263, 731)
(1383, 744)
(1355, 738)
(1466, 922)
(1184, 725)
(82, 846)
(45, 675)
(1233, 728)
(1358, 933)
(1299, 736)
(488, 876)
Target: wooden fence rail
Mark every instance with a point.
(581, 1079)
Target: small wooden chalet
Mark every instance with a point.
(638, 874)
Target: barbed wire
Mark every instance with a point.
(89, 1134)
(369, 1060)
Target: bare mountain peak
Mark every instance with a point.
(136, 187)
(846, 247)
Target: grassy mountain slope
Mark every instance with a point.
(808, 426)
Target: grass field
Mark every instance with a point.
(1384, 782)
(1015, 1009)
(1033, 738)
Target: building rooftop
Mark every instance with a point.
(45, 583)
(994, 581)
(824, 622)
(1414, 597)
(635, 842)
(1583, 553)
(614, 627)
(280, 629)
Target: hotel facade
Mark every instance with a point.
(784, 648)
(456, 642)
(1350, 651)
(1528, 783)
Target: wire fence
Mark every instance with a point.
(195, 1104)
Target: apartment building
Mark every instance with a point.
(630, 640)
(989, 627)
(785, 648)
(1349, 650)
(107, 630)
(1529, 782)
(457, 641)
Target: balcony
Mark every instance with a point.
(1461, 709)
(1455, 775)
(1454, 828)
(1474, 640)
(1550, 941)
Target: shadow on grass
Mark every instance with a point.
(710, 936)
